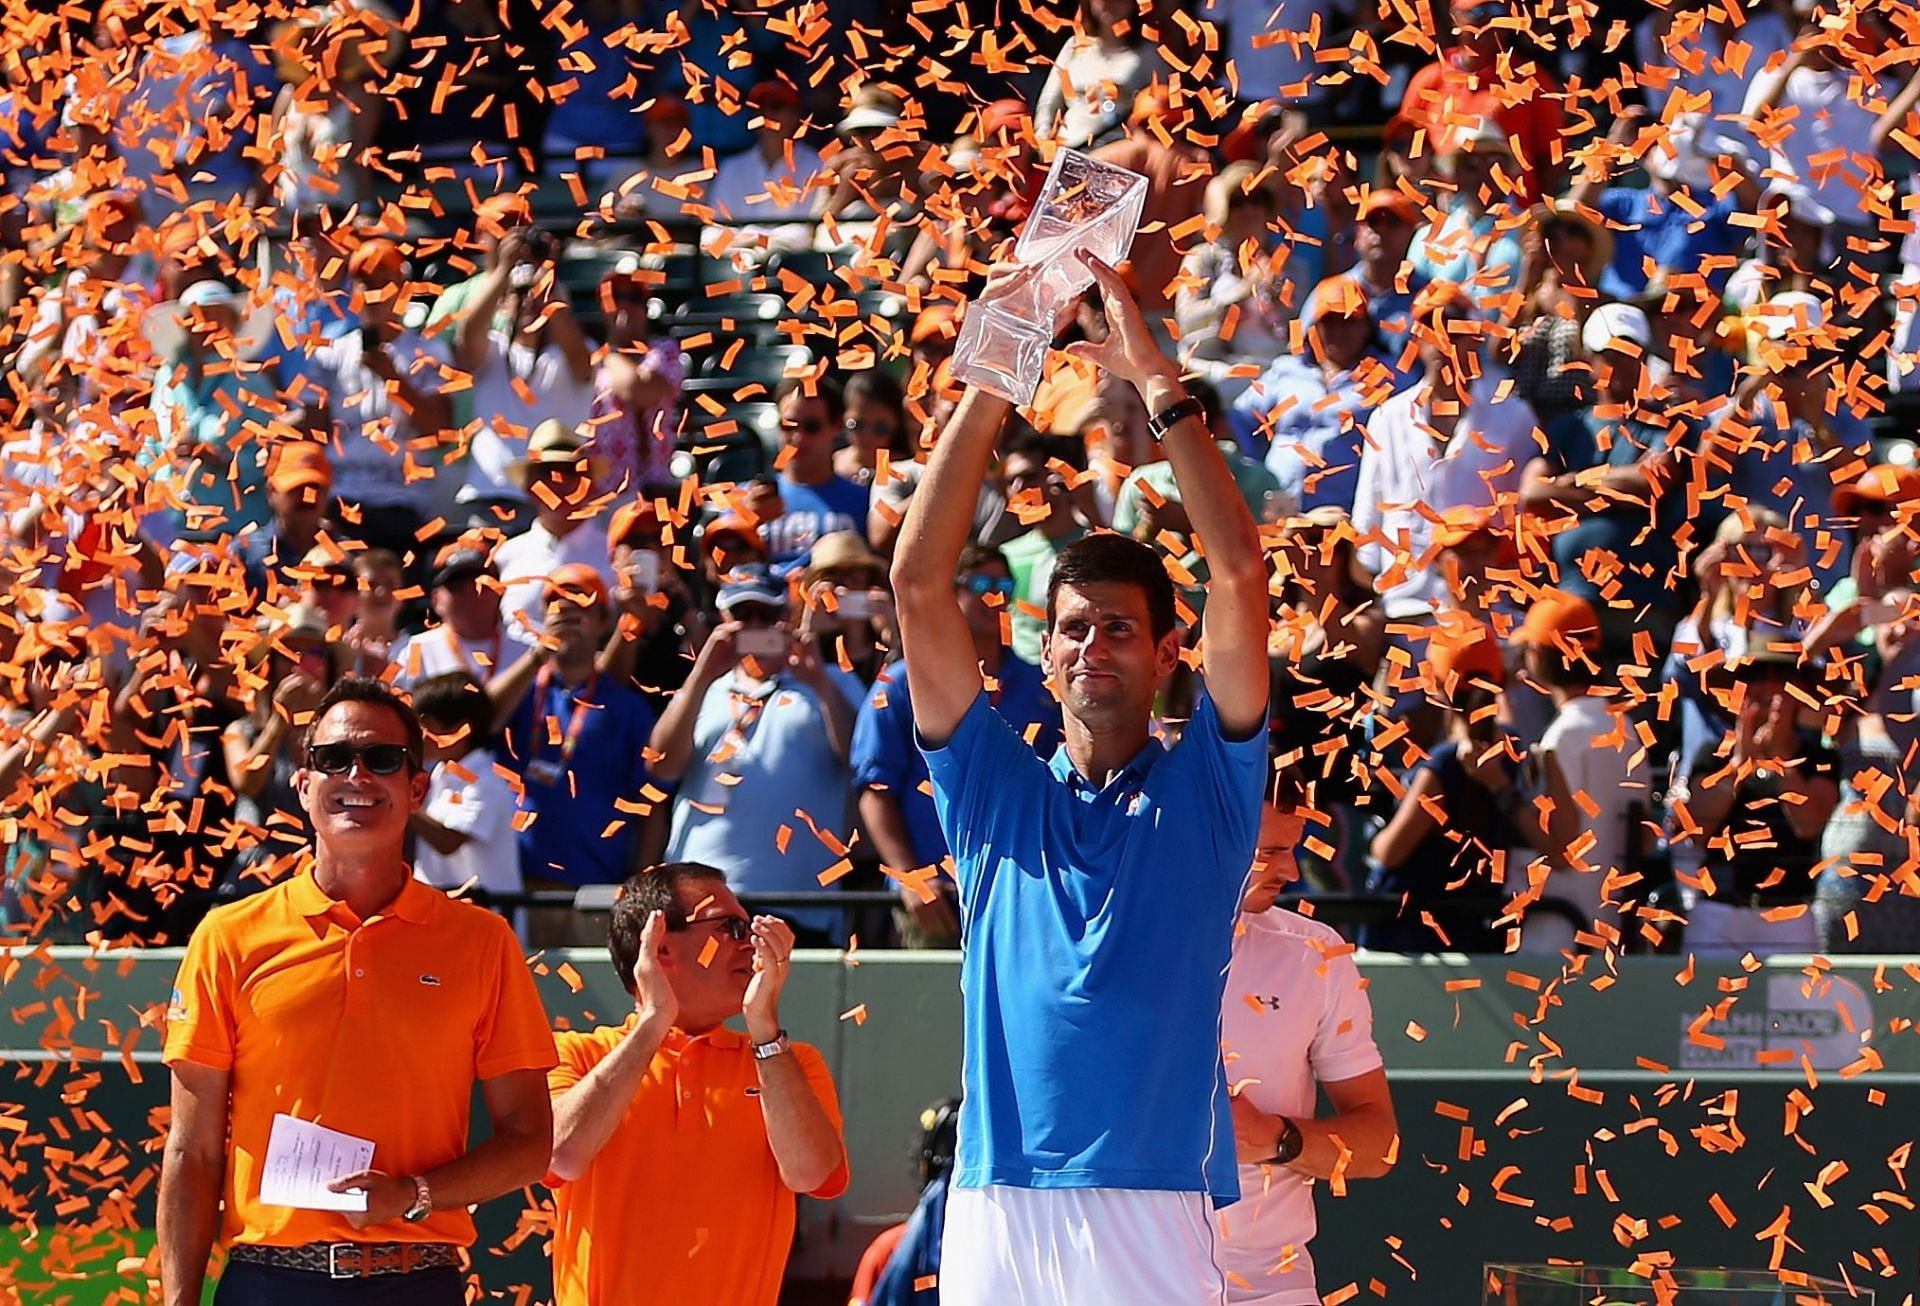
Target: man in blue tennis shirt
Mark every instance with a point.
(1097, 893)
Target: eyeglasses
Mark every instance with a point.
(338, 759)
(737, 928)
(983, 585)
(882, 430)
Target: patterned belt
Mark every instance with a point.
(351, 1260)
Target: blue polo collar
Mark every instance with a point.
(1128, 778)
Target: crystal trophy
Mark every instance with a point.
(1085, 204)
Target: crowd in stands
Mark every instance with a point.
(573, 367)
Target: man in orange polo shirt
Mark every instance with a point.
(355, 998)
(678, 1144)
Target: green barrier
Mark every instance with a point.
(1608, 1116)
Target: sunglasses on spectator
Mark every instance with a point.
(737, 928)
(884, 430)
(338, 759)
(806, 425)
(982, 585)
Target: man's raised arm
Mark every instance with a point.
(1234, 648)
(941, 670)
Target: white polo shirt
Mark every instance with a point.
(472, 797)
(1408, 478)
(525, 562)
(437, 650)
(1294, 1015)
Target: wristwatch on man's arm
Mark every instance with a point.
(1289, 1146)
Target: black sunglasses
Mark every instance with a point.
(806, 426)
(737, 928)
(338, 759)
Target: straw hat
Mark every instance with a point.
(554, 442)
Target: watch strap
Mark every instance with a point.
(422, 1199)
(1172, 415)
(1289, 1145)
(779, 1045)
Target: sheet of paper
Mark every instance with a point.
(303, 1158)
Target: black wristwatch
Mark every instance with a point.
(1172, 415)
(1289, 1146)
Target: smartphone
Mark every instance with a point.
(643, 570)
(761, 642)
(854, 603)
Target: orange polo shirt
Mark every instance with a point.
(684, 1204)
(377, 1028)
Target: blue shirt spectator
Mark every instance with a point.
(1648, 224)
(885, 755)
(1311, 418)
(1087, 912)
(574, 787)
(835, 504)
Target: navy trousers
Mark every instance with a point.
(247, 1284)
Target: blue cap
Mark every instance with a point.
(751, 583)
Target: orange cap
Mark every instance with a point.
(498, 214)
(1339, 295)
(301, 464)
(731, 526)
(630, 519)
(1560, 621)
(1386, 199)
(1884, 483)
(1461, 653)
(941, 320)
(1439, 295)
(377, 260)
(577, 581)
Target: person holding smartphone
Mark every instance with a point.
(758, 741)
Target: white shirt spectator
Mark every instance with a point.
(505, 416)
(525, 562)
(746, 188)
(1596, 752)
(437, 651)
(1294, 1016)
(470, 796)
(1830, 123)
(373, 432)
(1408, 478)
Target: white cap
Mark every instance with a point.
(1788, 312)
(1610, 324)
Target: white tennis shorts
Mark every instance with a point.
(1078, 1247)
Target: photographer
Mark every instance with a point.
(537, 366)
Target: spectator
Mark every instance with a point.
(728, 543)
(494, 219)
(1465, 805)
(71, 343)
(330, 108)
(849, 610)
(469, 634)
(294, 668)
(895, 800)
(1150, 501)
(1383, 238)
(1787, 255)
(1449, 440)
(1230, 306)
(780, 177)
(1295, 1022)
(901, 1266)
(1591, 755)
(1609, 492)
(658, 624)
(299, 495)
(636, 398)
(1756, 804)
(557, 474)
(207, 403)
(382, 386)
(312, 295)
(1156, 146)
(596, 127)
(1325, 643)
(875, 425)
(757, 741)
(1681, 221)
(378, 578)
(1311, 412)
(717, 45)
(1105, 63)
(537, 368)
(648, 184)
(464, 832)
(817, 501)
(1037, 491)
(1708, 50)
(653, 1202)
(578, 742)
(1787, 433)
(873, 158)
(1480, 78)
(1474, 241)
(1566, 253)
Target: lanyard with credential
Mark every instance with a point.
(459, 652)
(582, 704)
